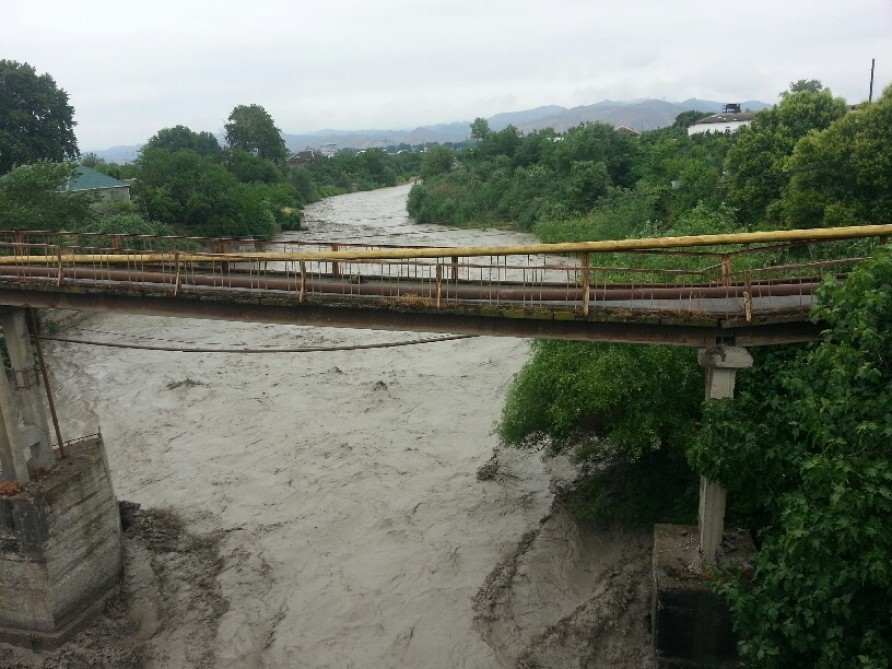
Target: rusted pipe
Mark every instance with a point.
(32, 326)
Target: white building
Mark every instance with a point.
(730, 120)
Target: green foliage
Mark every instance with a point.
(480, 129)
(437, 160)
(249, 168)
(843, 175)
(618, 215)
(688, 118)
(253, 130)
(807, 439)
(304, 184)
(33, 197)
(349, 171)
(35, 118)
(179, 138)
(603, 400)
(756, 165)
(581, 177)
(127, 224)
(626, 412)
(198, 194)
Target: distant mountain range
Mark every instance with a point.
(637, 114)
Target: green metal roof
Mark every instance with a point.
(86, 178)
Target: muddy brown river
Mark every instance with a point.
(341, 492)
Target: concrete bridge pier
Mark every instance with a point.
(691, 624)
(60, 534)
(26, 438)
(721, 364)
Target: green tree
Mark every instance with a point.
(251, 168)
(808, 440)
(843, 175)
(33, 197)
(756, 166)
(184, 189)
(803, 86)
(35, 118)
(180, 137)
(437, 160)
(252, 129)
(627, 412)
(480, 128)
(688, 118)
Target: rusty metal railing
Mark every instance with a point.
(742, 276)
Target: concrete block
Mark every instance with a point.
(60, 549)
(692, 627)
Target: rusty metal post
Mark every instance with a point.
(32, 326)
(439, 285)
(726, 270)
(335, 266)
(747, 296)
(586, 279)
(454, 269)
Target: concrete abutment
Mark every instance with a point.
(60, 549)
(60, 534)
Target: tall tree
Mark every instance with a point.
(843, 175)
(180, 137)
(480, 128)
(252, 129)
(756, 165)
(35, 118)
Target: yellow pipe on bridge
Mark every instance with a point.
(607, 246)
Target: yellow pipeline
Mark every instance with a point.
(611, 246)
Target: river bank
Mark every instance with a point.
(333, 497)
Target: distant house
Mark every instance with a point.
(626, 130)
(302, 157)
(87, 179)
(730, 120)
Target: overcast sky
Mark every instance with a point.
(132, 68)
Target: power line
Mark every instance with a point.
(301, 349)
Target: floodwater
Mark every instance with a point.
(342, 486)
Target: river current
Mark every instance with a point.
(342, 486)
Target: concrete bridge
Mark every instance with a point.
(59, 538)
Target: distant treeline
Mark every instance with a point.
(809, 161)
(185, 182)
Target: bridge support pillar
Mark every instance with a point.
(721, 364)
(24, 434)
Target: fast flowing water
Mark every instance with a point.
(355, 532)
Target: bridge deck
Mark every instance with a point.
(685, 291)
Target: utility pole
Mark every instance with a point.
(873, 62)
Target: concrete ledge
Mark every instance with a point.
(60, 549)
(691, 624)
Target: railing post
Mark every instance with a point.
(335, 266)
(721, 364)
(726, 270)
(303, 280)
(454, 269)
(439, 283)
(586, 280)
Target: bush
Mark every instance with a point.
(808, 439)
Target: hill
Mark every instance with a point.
(637, 114)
